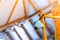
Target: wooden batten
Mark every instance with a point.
(23, 18)
(44, 27)
(12, 11)
(34, 6)
(24, 4)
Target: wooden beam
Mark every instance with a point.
(34, 6)
(44, 27)
(24, 4)
(42, 8)
(17, 20)
(48, 16)
(3, 27)
(23, 18)
(12, 11)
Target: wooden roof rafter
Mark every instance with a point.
(23, 18)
